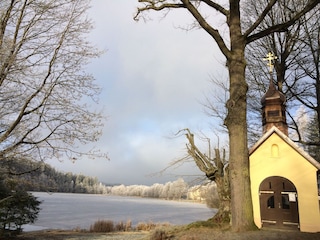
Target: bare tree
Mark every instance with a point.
(216, 169)
(297, 65)
(312, 135)
(233, 48)
(47, 100)
(306, 89)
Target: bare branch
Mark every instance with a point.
(260, 18)
(5, 199)
(43, 54)
(214, 33)
(217, 7)
(282, 27)
(156, 5)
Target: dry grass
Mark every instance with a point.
(159, 234)
(207, 231)
(173, 233)
(215, 234)
(102, 226)
(71, 235)
(106, 226)
(123, 227)
(151, 231)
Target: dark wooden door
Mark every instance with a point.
(279, 203)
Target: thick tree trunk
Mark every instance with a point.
(236, 122)
(223, 216)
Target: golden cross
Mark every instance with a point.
(270, 57)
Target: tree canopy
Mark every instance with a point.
(47, 99)
(296, 68)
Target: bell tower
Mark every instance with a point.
(273, 104)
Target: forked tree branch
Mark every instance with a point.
(282, 26)
(217, 7)
(158, 5)
(214, 33)
(260, 18)
(212, 167)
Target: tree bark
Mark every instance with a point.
(224, 211)
(236, 122)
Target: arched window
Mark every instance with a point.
(274, 150)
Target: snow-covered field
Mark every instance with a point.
(69, 211)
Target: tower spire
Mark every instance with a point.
(273, 103)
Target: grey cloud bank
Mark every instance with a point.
(153, 76)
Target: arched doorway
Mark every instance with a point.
(278, 203)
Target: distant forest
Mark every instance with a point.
(39, 176)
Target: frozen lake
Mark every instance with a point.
(68, 211)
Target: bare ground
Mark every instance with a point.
(172, 233)
(71, 235)
(210, 234)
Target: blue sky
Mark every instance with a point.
(153, 76)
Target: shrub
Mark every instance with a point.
(18, 209)
(119, 227)
(128, 225)
(102, 226)
(159, 234)
(123, 227)
(143, 226)
(109, 226)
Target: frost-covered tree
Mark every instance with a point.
(312, 135)
(205, 192)
(166, 191)
(178, 188)
(47, 99)
(302, 121)
(120, 190)
(157, 189)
